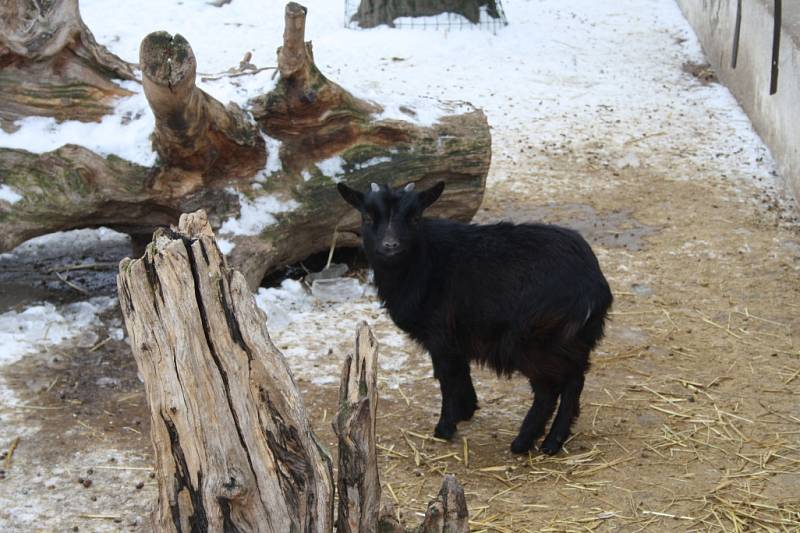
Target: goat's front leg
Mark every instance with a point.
(458, 394)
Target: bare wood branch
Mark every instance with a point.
(193, 130)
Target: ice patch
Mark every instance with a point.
(9, 195)
(256, 215)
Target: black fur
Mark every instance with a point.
(526, 298)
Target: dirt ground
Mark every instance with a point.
(690, 418)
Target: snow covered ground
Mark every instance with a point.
(606, 76)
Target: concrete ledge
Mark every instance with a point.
(776, 117)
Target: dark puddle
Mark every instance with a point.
(72, 266)
(614, 229)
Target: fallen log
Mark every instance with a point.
(268, 183)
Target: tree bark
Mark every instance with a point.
(51, 65)
(213, 157)
(358, 484)
(234, 450)
(371, 13)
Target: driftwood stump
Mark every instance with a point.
(51, 65)
(234, 451)
(212, 156)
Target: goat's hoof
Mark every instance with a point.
(520, 445)
(444, 431)
(466, 412)
(550, 447)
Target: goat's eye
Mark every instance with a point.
(415, 219)
(367, 219)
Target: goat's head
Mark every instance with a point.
(390, 218)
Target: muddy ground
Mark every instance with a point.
(690, 416)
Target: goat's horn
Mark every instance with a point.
(409, 187)
(375, 187)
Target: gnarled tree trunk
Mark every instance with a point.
(310, 132)
(51, 65)
(234, 451)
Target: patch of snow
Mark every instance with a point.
(66, 243)
(273, 158)
(629, 160)
(124, 133)
(225, 246)
(255, 215)
(306, 175)
(117, 334)
(314, 335)
(373, 161)
(423, 111)
(39, 326)
(9, 195)
(333, 167)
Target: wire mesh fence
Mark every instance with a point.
(362, 14)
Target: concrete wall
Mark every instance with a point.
(776, 117)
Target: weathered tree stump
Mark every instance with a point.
(234, 451)
(51, 65)
(213, 157)
(358, 483)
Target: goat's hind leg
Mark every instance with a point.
(568, 410)
(544, 403)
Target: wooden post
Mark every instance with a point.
(234, 450)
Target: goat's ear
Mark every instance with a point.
(351, 196)
(428, 196)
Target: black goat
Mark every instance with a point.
(529, 298)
